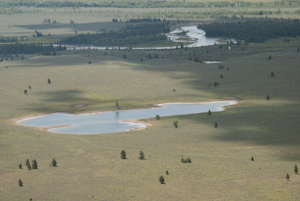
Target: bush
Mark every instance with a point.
(25, 91)
(252, 159)
(20, 166)
(269, 57)
(157, 117)
(296, 169)
(287, 176)
(167, 172)
(209, 112)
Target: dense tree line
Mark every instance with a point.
(253, 31)
(143, 4)
(11, 39)
(127, 35)
(6, 49)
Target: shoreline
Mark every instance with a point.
(16, 121)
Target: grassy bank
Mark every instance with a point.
(89, 166)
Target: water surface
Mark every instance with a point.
(114, 121)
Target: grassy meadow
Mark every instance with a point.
(89, 166)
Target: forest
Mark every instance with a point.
(18, 48)
(253, 31)
(127, 35)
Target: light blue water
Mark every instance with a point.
(112, 122)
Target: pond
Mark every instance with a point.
(117, 121)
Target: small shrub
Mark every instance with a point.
(167, 172)
(287, 176)
(25, 91)
(209, 112)
(20, 166)
(269, 57)
(252, 159)
(157, 117)
(49, 81)
(161, 179)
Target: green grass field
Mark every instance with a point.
(89, 166)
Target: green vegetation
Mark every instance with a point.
(89, 168)
(186, 160)
(296, 169)
(287, 176)
(53, 163)
(125, 36)
(161, 180)
(261, 30)
(142, 155)
(20, 183)
(123, 154)
(34, 164)
(175, 122)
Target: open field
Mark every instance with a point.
(89, 166)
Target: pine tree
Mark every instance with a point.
(34, 164)
(20, 183)
(161, 179)
(296, 169)
(49, 81)
(167, 172)
(287, 176)
(209, 112)
(272, 74)
(54, 163)
(175, 122)
(216, 125)
(20, 166)
(252, 159)
(123, 154)
(142, 155)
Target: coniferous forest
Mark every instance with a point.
(128, 35)
(253, 31)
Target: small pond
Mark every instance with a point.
(114, 121)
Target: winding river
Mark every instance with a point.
(194, 35)
(117, 121)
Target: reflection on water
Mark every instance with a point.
(112, 122)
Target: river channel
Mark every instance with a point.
(193, 34)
